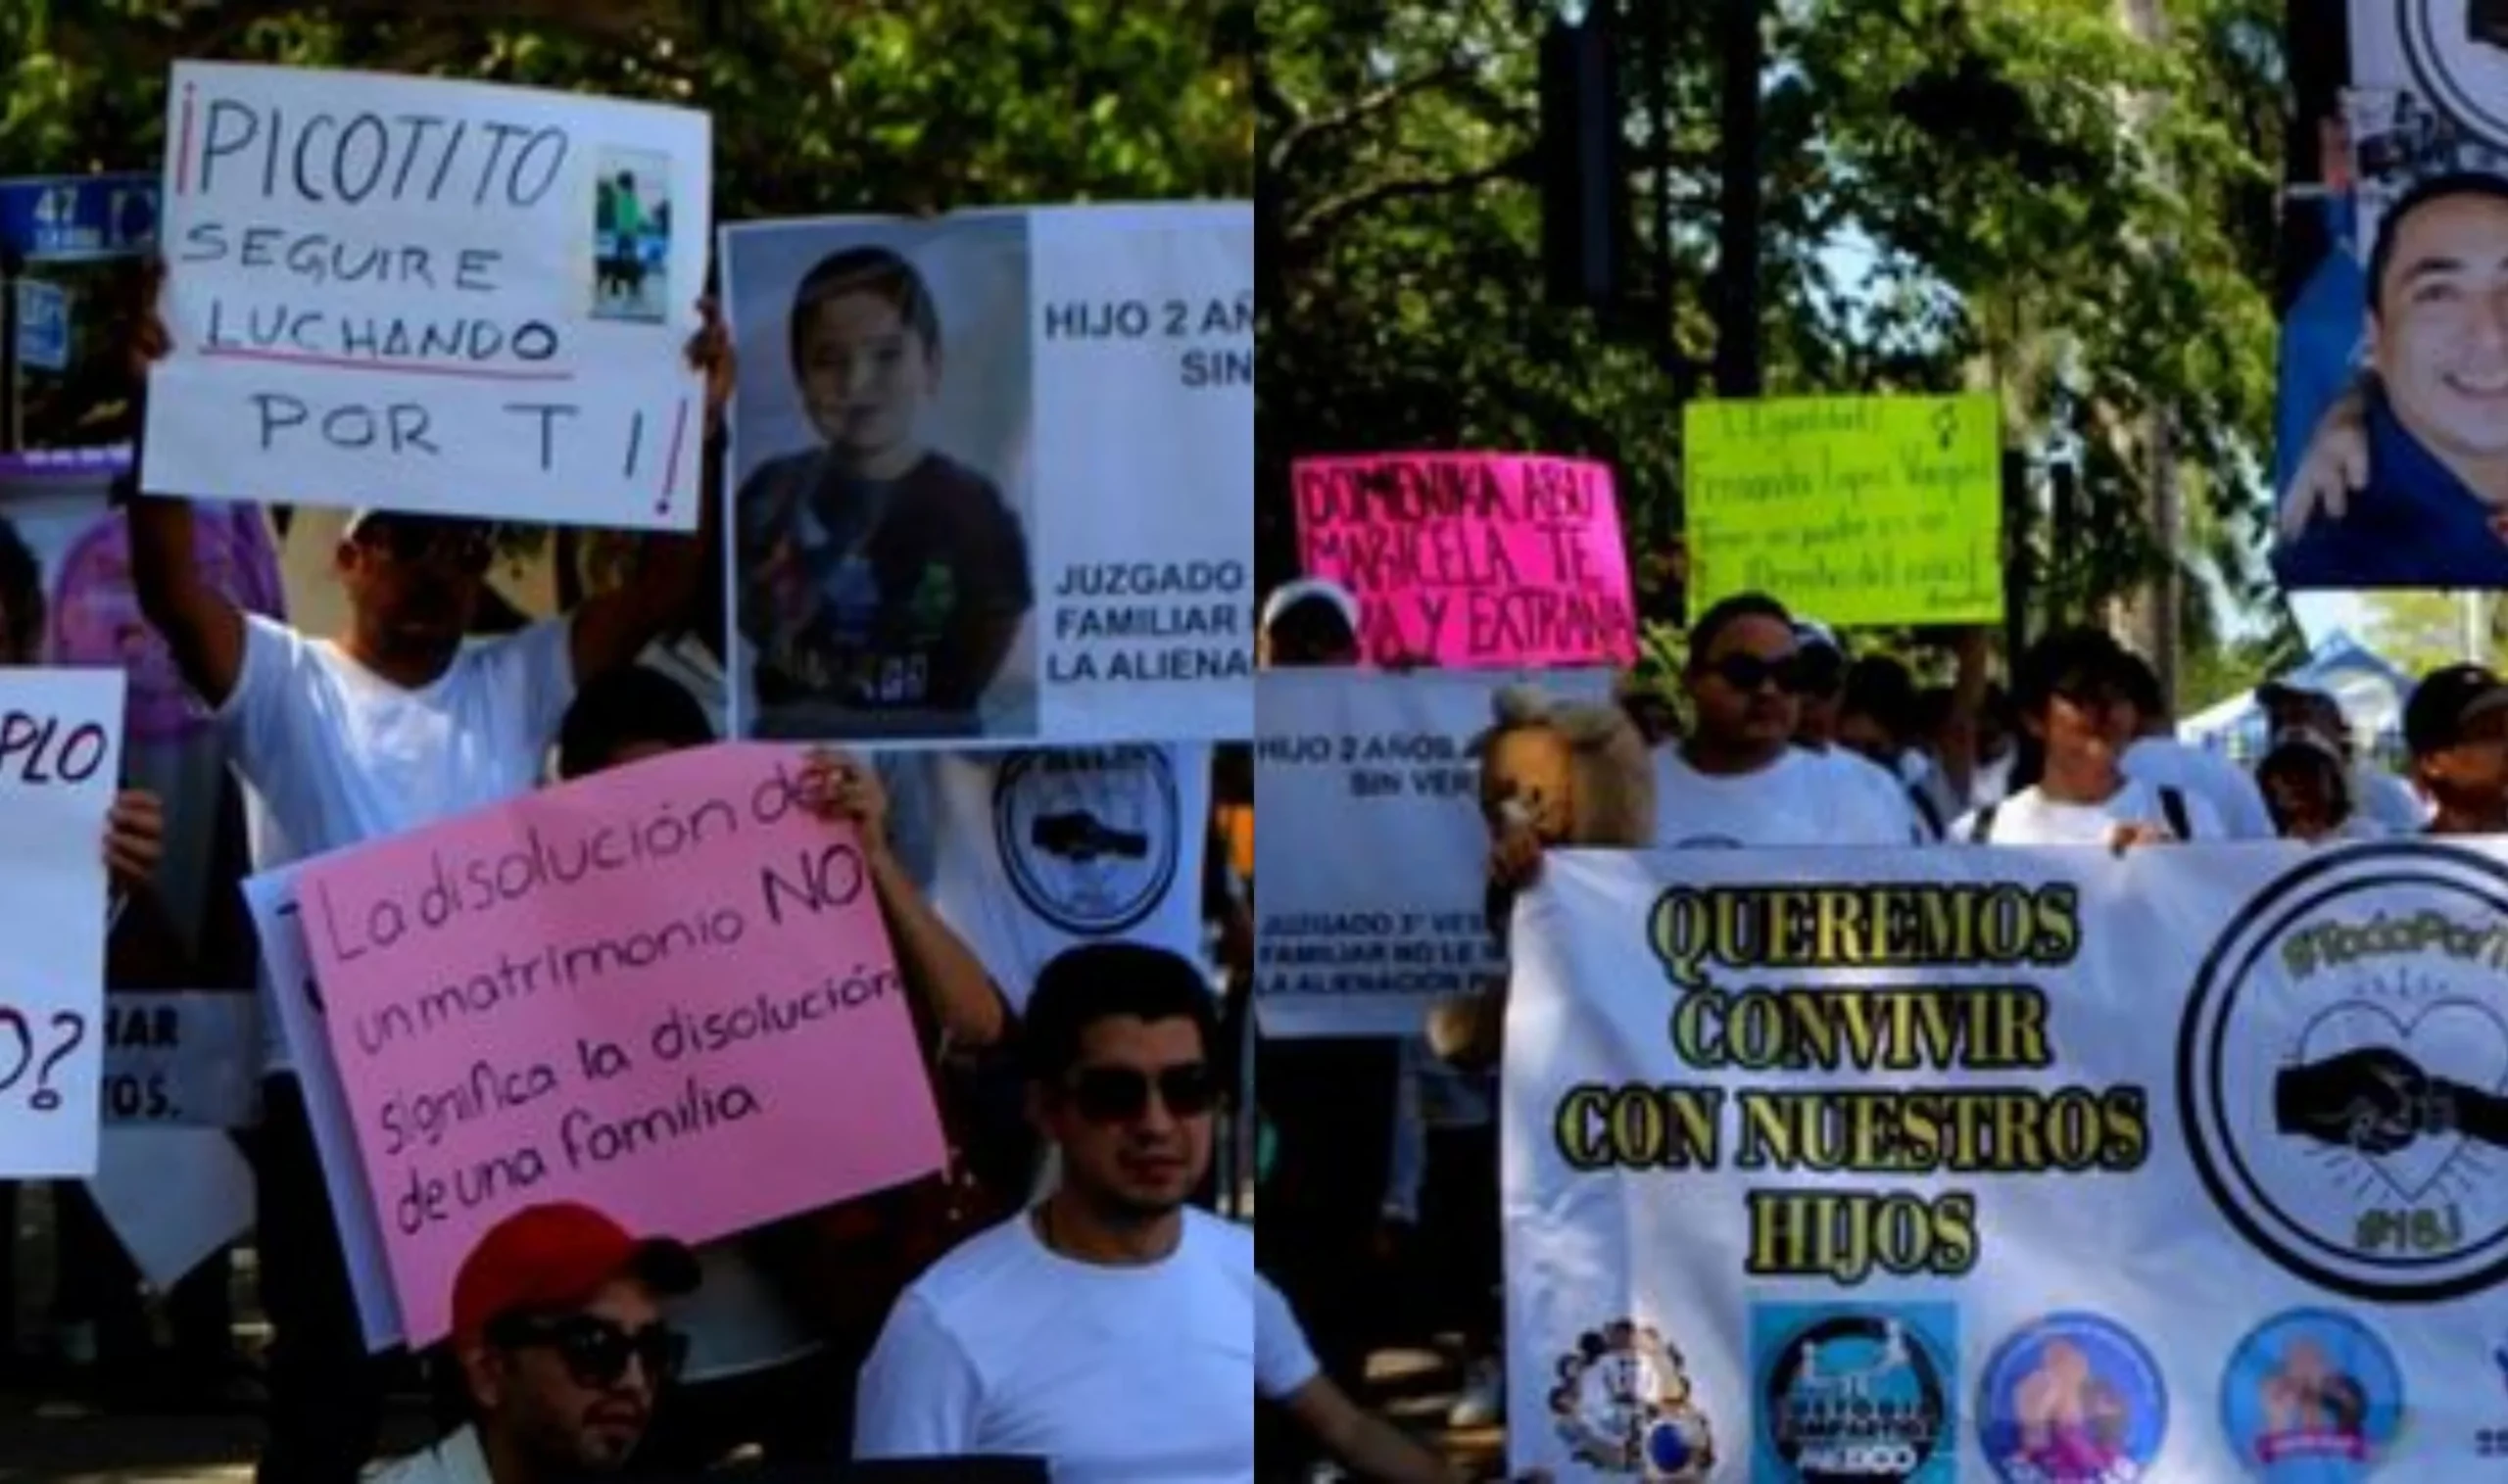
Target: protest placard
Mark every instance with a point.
(441, 296)
(189, 1058)
(664, 992)
(2010, 1164)
(1473, 559)
(59, 767)
(1848, 510)
(1034, 523)
(174, 1197)
(294, 1001)
(1372, 852)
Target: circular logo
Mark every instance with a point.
(1088, 836)
(2071, 1399)
(1622, 1406)
(2343, 1073)
(2312, 1395)
(2458, 54)
(1855, 1397)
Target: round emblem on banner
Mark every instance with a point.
(1622, 1406)
(2343, 1073)
(2071, 1399)
(2312, 1395)
(2458, 54)
(1090, 836)
(1856, 1393)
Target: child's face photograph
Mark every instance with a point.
(864, 374)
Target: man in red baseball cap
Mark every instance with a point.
(557, 1327)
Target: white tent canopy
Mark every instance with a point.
(2371, 691)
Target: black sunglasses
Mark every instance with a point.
(1121, 1094)
(595, 1351)
(1749, 674)
(469, 549)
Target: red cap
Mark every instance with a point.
(554, 1257)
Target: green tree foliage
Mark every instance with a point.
(819, 105)
(2421, 632)
(2018, 195)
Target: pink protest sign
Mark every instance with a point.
(664, 992)
(1473, 559)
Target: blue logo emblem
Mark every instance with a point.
(2312, 1395)
(1851, 1393)
(2071, 1399)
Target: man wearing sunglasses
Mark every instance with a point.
(392, 724)
(1737, 779)
(557, 1327)
(1112, 1330)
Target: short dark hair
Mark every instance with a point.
(21, 605)
(1096, 981)
(2429, 192)
(1881, 688)
(1713, 623)
(882, 272)
(620, 708)
(1313, 629)
(2138, 684)
(2074, 664)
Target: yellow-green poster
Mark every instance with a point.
(1848, 509)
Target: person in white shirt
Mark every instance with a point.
(2376, 792)
(1112, 1330)
(2153, 755)
(1880, 719)
(2309, 791)
(395, 723)
(557, 1328)
(1738, 780)
(2069, 691)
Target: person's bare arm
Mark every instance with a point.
(936, 964)
(612, 629)
(1368, 1446)
(201, 627)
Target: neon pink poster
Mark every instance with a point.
(664, 992)
(1472, 561)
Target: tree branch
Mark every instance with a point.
(1359, 110)
(1327, 214)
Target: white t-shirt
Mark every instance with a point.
(1891, 794)
(2232, 792)
(2387, 799)
(1803, 799)
(1114, 1375)
(456, 1460)
(2031, 818)
(332, 755)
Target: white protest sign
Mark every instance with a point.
(448, 298)
(1034, 522)
(290, 993)
(1370, 854)
(59, 767)
(2008, 1164)
(188, 1058)
(173, 1196)
(1035, 852)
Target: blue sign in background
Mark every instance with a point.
(70, 218)
(43, 325)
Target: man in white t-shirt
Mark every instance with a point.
(2153, 755)
(1112, 1330)
(2069, 691)
(393, 724)
(2376, 792)
(1737, 779)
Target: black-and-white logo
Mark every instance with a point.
(2458, 52)
(2343, 1073)
(1090, 836)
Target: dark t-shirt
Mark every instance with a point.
(877, 596)
(2416, 526)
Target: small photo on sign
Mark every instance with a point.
(882, 580)
(631, 236)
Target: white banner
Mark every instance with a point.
(1370, 857)
(173, 1196)
(189, 1058)
(431, 296)
(294, 1001)
(59, 767)
(1038, 851)
(994, 476)
(2017, 1165)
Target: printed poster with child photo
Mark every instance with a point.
(992, 477)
